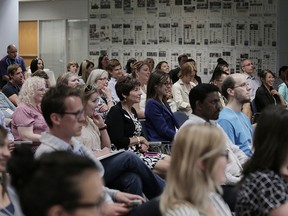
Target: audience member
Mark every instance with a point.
(95, 137)
(85, 69)
(27, 120)
(151, 63)
(9, 134)
(283, 71)
(204, 100)
(266, 94)
(44, 75)
(141, 72)
(196, 173)
(6, 106)
(36, 64)
(10, 59)
(235, 123)
(217, 79)
(174, 72)
(264, 188)
(114, 69)
(64, 114)
(197, 79)
(72, 67)
(68, 79)
(282, 88)
(9, 205)
(125, 130)
(12, 88)
(160, 121)
(182, 87)
(248, 68)
(222, 66)
(58, 183)
(128, 67)
(103, 61)
(98, 79)
(163, 66)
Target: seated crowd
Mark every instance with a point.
(93, 135)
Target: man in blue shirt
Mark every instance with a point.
(9, 59)
(235, 123)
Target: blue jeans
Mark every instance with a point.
(128, 173)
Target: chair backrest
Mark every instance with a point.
(180, 117)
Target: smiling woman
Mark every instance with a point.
(27, 120)
(125, 129)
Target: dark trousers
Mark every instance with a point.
(128, 173)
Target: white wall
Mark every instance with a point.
(52, 10)
(8, 24)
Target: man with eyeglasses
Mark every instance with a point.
(248, 68)
(9, 59)
(235, 123)
(63, 112)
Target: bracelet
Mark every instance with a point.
(103, 128)
(138, 140)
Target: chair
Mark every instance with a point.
(149, 208)
(180, 117)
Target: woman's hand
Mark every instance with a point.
(107, 92)
(144, 144)
(98, 120)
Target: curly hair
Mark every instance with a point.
(29, 87)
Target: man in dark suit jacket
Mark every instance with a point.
(174, 73)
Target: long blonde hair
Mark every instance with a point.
(190, 177)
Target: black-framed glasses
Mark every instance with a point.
(242, 85)
(76, 205)
(88, 88)
(77, 114)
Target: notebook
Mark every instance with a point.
(111, 154)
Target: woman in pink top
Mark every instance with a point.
(27, 120)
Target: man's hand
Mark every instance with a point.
(122, 197)
(109, 209)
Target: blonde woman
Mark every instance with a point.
(182, 87)
(98, 79)
(141, 72)
(196, 172)
(27, 120)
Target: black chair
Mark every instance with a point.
(151, 207)
(180, 117)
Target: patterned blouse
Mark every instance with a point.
(260, 193)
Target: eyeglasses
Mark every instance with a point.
(77, 114)
(97, 204)
(242, 85)
(88, 88)
(226, 154)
